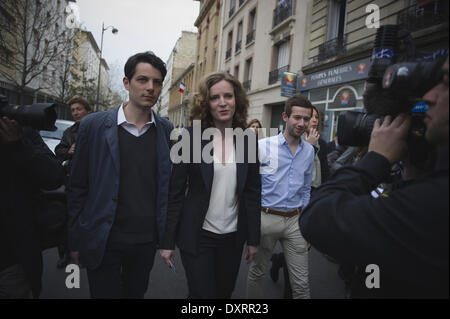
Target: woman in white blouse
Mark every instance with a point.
(215, 191)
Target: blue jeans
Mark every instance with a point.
(124, 271)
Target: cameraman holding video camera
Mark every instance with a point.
(26, 166)
(406, 232)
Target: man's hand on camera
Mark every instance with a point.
(10, 130)
(389, 139)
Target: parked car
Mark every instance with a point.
(52, 138)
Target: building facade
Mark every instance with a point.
(34, 41)
(338, 50)
(181, 92)
(209, 36)
(262, 40)
(85, 69)
(181, 57)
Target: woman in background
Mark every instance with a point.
(255, 125)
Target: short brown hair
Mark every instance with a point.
(82, 101)
(297, 100)
(253, 122)
(200, 103)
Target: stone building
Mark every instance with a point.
(339, 43)
(209, 36)
(181, 57)
(180, 95)
(262, 40)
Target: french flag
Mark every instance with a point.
(182, 87)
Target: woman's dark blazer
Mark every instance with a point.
(190, 192)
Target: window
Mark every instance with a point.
(236, 72)
(336, 38)
(239, 38)
(5, 21)
(251, 26)
(44, 74)
(248, 74)
(229, 45)
(423, 14)
(232, 7)
(5, 56)
(35, 38)
(283, 11)
(283, 54)
(280, 61)
(336, 19)
(248, 69)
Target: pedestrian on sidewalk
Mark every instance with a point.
(214, 205)
(287, 162)
(119, 185)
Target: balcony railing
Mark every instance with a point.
(332, 48)
(228, 54)
(420, 17)
(238, 46)
(250, 37)
(283, 11)
(247, 85)
(275, 75)
(231, 12)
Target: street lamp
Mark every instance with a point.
(114, 31)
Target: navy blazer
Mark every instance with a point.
(187, 210)
(94, 183)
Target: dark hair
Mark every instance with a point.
(253, 122)
(200, 103)
(320, 124)
(297, 100)
(80, 100)
(144, 57)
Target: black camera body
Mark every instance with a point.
(39, 116)
(392, 88)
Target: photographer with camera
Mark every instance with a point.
(406, 233)
(26, 167)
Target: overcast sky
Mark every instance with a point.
(143, 25)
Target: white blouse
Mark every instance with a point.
(221, 217)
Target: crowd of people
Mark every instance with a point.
(126, 200)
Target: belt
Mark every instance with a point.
(290, 213)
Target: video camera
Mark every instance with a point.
(39, 116)
(392, 89)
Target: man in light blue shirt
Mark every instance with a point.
(286, 174)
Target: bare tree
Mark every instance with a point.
(63, 85)
(116, 74)
(37, 37)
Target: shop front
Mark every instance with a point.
(335, 90)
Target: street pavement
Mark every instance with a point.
(165, 284)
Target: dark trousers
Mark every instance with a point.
(124, 271)
(212, 273)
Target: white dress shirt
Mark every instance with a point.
(130, 127)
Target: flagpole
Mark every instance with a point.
(181, 103)
(182, 113)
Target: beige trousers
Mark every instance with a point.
(286, 230)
